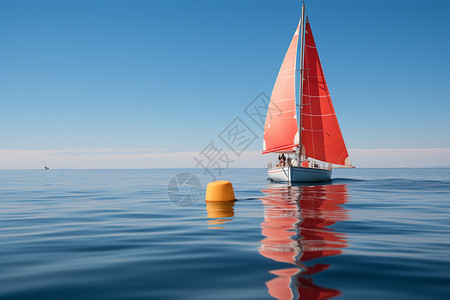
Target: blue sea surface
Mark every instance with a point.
(117, 234)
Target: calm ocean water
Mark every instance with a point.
(115, 234)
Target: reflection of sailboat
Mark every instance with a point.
(296, 229)
(301, 120)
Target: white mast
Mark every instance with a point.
(299, 77)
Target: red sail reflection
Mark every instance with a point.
(296, 227)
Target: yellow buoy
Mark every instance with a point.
(220, 191)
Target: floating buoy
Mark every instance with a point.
(220, 191)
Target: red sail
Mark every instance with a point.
(321, 136)
(281, 128)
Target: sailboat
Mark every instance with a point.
(301, 122)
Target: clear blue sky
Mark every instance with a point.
(172, 74)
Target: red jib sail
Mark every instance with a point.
(281, 128)
(321, 136)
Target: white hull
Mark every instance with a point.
(299, 174)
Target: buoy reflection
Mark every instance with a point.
(296, 228)
(219, 210)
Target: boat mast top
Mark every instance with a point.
(299, 77)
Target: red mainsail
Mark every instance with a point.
(321, 136)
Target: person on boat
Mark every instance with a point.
(289, 160)
(305, 163)
(283, 160)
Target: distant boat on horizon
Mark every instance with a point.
(301, 122)
(46, 168)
